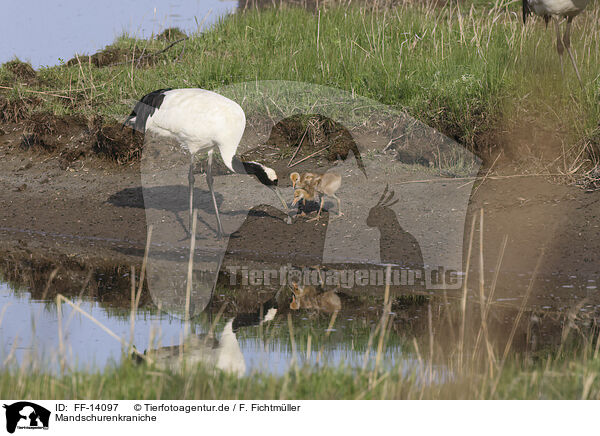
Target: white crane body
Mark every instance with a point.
(200, 120)
(558, 8)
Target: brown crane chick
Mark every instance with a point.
(310, 183)
(303, 194)
(327, 185)
(302, 180)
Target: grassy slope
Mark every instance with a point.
(467, 72)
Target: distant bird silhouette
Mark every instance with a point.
(555, 9)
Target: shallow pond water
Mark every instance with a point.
(228, 334)
(45, 32)
(29, 332)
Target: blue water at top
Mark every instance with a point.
(43, 32)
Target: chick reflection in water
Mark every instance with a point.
(306, 297)
(223, 354)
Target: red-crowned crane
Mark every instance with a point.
(556, 9)
(201, 120)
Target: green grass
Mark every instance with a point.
(470, 72)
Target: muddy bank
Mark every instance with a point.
(72, 188)
(93, 209)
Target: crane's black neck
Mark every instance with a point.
(265, 175)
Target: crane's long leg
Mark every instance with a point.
(191, 188)
(559, 45)
(209, 181)
(567, 44)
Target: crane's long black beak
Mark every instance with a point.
(285, 206)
